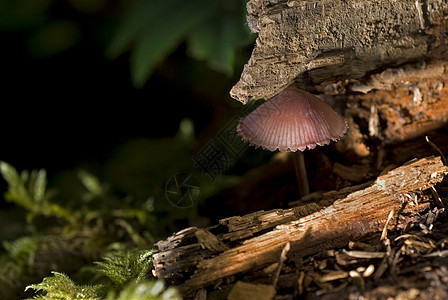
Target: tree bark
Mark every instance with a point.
(312, 43)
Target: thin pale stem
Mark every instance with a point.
(302, 179)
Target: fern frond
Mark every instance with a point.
(60, 286)
(37, 185)
(17, 191)
(123, 267)
(29, 190)
(23, 250)
(92, 184)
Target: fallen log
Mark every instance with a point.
(312, 43)
(196, 258)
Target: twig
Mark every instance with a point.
(434, 146)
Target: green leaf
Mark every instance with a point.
(39, 184)
(217, 41)
(153, 29)
(60, 286)
(164, 32)
(91, 184)
(122, 267)
(17, 191)
(29, 191)
(140, 14)
(23, 250)
(203, 42)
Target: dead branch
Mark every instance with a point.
(240, 244)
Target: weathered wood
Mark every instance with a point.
(315, 43)
(209, 241)
(247, 226)
(400, 103)
(183, 250)
(182, 258)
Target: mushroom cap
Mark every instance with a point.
(292, 120)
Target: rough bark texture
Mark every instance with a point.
(316, 43)
(395, 105)
(196, 258)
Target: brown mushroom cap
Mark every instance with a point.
(293, 120)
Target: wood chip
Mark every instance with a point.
(365, 254)
(332, 276)
(368, 271)
(384, 233)
(210, 241)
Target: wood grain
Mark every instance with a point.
(311, 43)
(256, 240)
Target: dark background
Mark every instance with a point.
(68, 105)
(73, 106)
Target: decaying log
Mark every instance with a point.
(401, 103)
(315, 43)
(196, 258)
(187, 247)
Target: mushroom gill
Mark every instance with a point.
(292, 120)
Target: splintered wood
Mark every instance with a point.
(401, 103)
(315, 43)
(241, 244)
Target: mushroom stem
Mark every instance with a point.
(302, 179)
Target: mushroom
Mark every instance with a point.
(293, 120)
